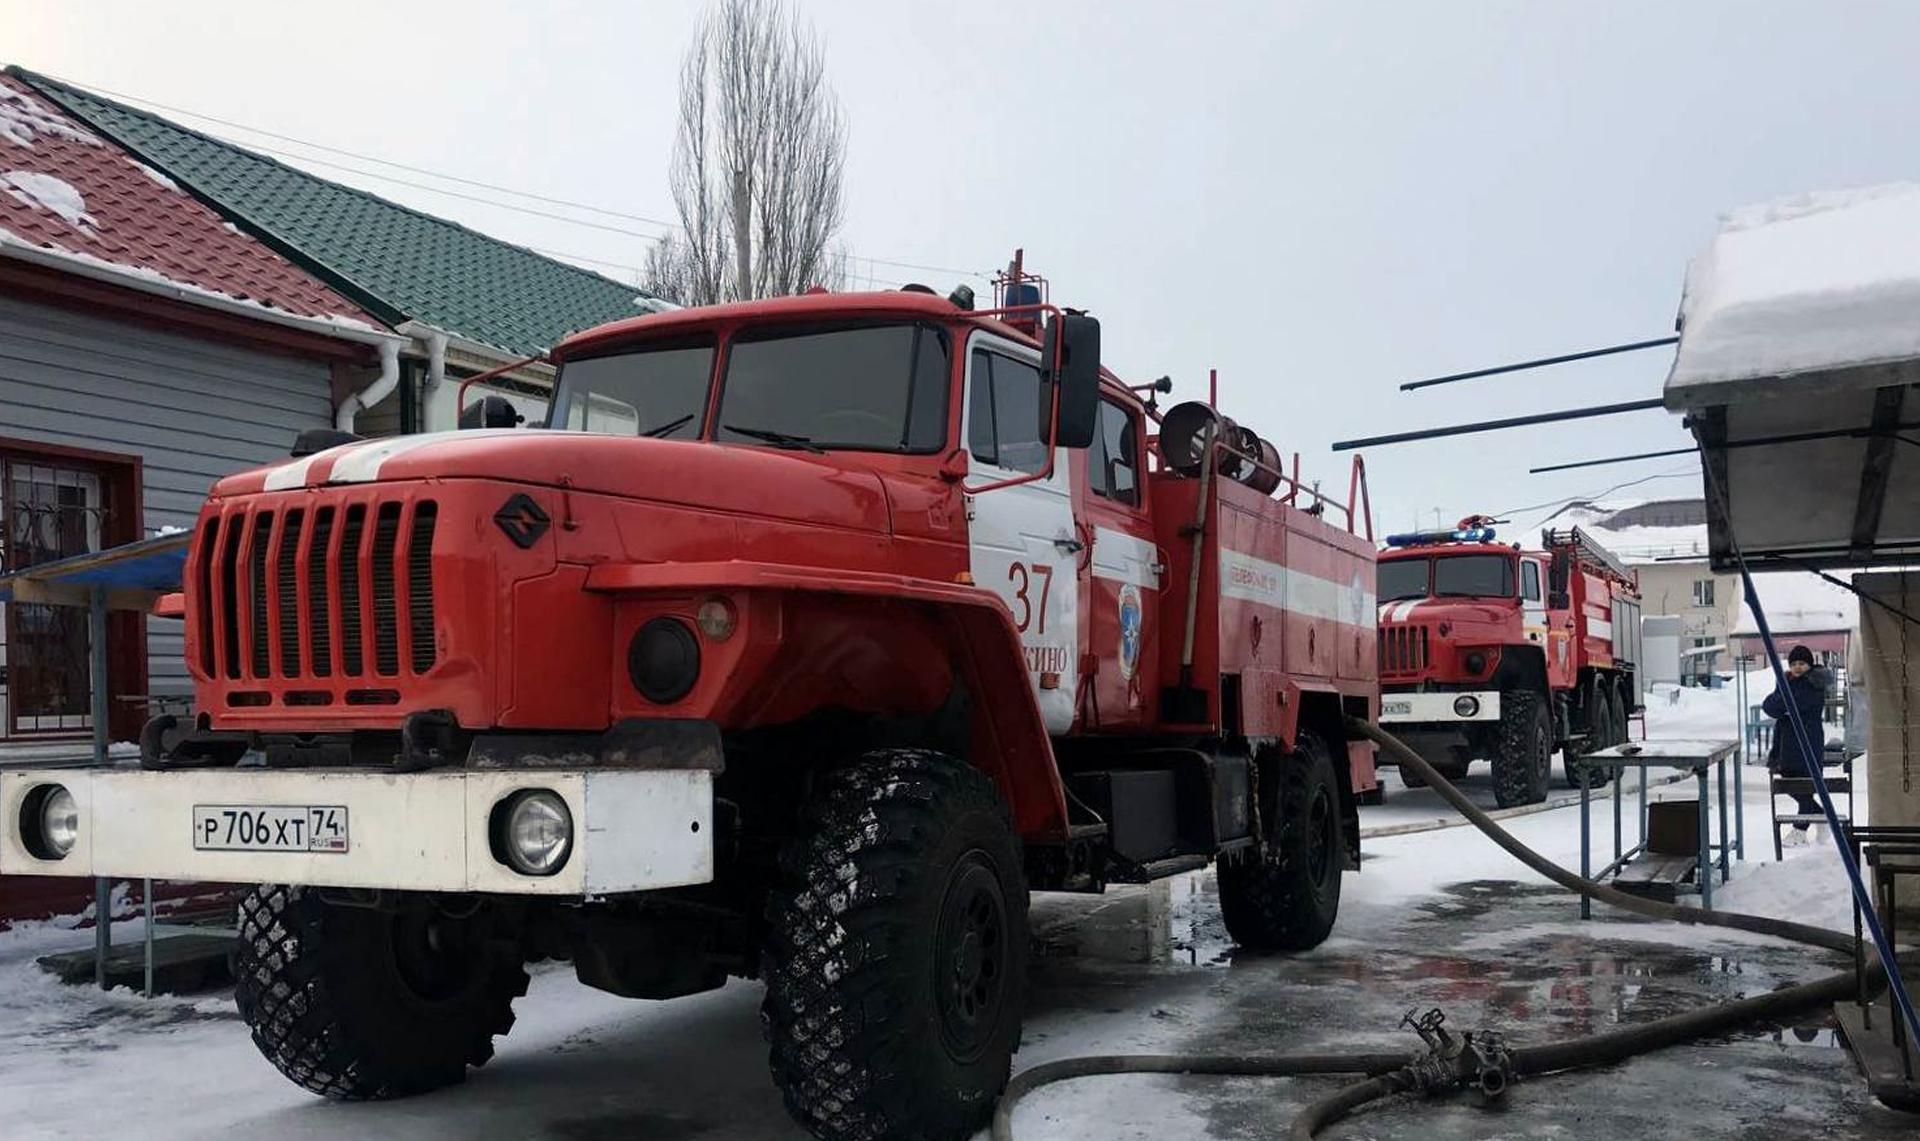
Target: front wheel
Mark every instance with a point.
(1287, 898)
(896, 953)
(356, 1003)
(1524, 760)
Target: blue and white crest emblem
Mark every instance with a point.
(1129, 630)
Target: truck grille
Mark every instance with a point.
(317, 591)
(1403, 649)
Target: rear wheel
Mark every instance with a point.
(1288, 898)
(354, 1003)
(1524, 760)
(1601, 734)
(896, 955)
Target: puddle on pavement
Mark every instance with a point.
(1560, 976)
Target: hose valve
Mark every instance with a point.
(1478, 1060)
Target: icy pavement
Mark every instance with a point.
(1437, 918)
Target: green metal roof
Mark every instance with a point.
(396, 262)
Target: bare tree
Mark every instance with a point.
(757, 162)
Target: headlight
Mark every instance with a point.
(49, 822)
(533, 832)
(663, 660)
(1466, 705)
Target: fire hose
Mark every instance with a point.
(1481, 1060)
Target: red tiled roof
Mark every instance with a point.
(66, 188)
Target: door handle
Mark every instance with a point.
(1069, 544)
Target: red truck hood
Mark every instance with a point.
(718, 477)
(1449, 609)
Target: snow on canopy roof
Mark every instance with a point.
(1799, 603)
(1813, 283)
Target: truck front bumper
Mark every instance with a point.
(1440, 708)
(631, 829)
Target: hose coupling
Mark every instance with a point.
(1478, 1060)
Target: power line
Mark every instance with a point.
(528, 194)
(1675, 474)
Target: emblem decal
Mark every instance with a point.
(1129, 630)
(523, 521)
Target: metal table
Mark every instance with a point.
(1695, 756)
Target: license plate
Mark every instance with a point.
(1396, 709)
(270, 827)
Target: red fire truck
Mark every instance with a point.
(1488, 650)
(804, 640)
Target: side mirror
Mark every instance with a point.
(1070, 361)
(490, 412)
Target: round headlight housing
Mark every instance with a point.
(664, 660)
(1466, 705)
(49, 822)
(533, 832)
(1476, 662)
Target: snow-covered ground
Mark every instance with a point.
(1435, 918)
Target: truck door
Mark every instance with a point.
(1021, 540)
(1120, 575)
(1533, 603)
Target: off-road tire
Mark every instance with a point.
(1618, 707)
(896, 951)
(1601, 734)
(1287, 898)
(323, 989)
(1524, 760)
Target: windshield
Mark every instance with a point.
(1473, 576)
(872, 388)
(660, 390)
(1402, 579)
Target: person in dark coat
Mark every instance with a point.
(1807, 689)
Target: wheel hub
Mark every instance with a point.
(971, 950)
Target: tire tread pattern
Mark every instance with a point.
(851, 881)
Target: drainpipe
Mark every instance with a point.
(373, 393)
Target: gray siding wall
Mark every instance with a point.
(192, 410)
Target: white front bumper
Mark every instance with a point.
(1430, 707)
(633, 829)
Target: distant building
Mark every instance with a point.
(1665, 542)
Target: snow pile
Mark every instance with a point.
(45, 192)
(1817, 281)
(1688, 712)
(24, 118)
(1797, 602)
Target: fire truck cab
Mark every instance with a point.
(1488, 650)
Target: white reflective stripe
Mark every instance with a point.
(1599, 628)
(1125, 558)
(1253, 579)
(363, 463)
(291, 475)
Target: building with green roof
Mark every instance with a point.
(470, 302)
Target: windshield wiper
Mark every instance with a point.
(666, 428)
(777, 439)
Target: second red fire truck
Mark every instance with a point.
(1491, 651)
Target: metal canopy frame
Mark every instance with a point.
(132, 576)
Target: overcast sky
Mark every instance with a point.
(1320, 199)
